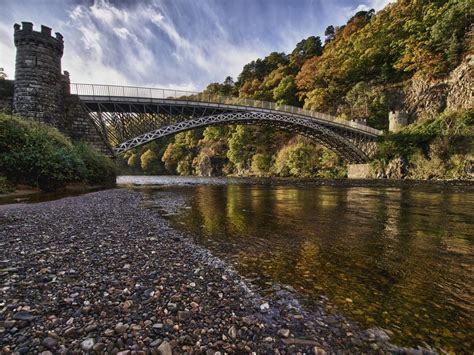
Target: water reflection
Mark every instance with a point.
(401, 259)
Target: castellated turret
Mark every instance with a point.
(39, 86)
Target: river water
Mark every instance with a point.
(397, 258)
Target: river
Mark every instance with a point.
(399, 258)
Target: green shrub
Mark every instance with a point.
(6, 88)
(99, 170)
(438, 148)
(452, 127)
(298, 160)
(261, 164)
(38, 155)
(5, 185)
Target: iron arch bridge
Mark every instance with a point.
(127, 117)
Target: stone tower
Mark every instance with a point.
(38, 92)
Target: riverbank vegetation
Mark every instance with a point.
(359, 71)
(438, 148)
(35, 154)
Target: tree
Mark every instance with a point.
(306, 49)
(133, 161)
(184, 167)
(331, 165)
(285, 92)
(453, 52)
(227, 88)
(173, 154)
(358, 98)
(258, 69)
(240, 147)
(297, 160)
(453, 21)
(329, 33)
(261, 164)
(150, 162)
(3, 75)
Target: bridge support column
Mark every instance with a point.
(359, 171)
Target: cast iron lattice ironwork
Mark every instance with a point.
(135, 116)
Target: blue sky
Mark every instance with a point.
(181, 44)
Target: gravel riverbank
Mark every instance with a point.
(101, 273)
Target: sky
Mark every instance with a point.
(179, 44)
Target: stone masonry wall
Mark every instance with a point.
(78, 125)
(38, 91)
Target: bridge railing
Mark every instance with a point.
(97, 90)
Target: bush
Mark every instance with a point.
(5, 185)
(38, 155)
(455, 129)
(150, 162)
(99, 170)
(434, 149)
(261, 164)
(297, 160)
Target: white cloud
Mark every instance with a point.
(112, 51)
(123, 33)
(371, 4)
(7, 50)
(136, 53)
(168, 44)
(109, 14)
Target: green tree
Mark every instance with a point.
(285, 92)
(173, 154)
(297, 160)
(306, 49)
(261, 164)
(184, 166)
(331, 166)
(329, 33)
(133, 161)
(240, 147)
(150, 162)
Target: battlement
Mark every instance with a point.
(25, 34)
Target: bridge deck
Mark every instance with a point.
(109, 95)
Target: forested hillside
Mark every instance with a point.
(401, 58)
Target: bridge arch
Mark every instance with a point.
(343, 147)
(128, 117)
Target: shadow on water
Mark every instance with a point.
(35, 197)
(396, 258)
